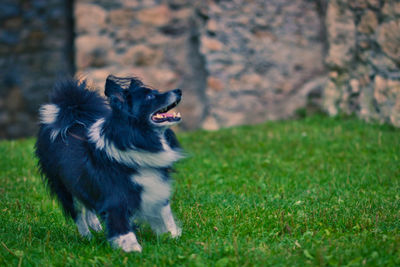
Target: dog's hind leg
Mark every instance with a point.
(119, 230)
(86, 219)
(63, 195)
(80, 221)
(92, 220)
(83, 228)
(70, 206)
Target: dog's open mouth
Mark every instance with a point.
(162, 115)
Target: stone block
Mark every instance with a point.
(143, 55)
(210, 44)
(341, 32)
(215, 84)
(123, 17)
(210, 124)
(391, 8)
(368, 23)
(92, 51)
(389, 39)
(89, 18)
(156, 16)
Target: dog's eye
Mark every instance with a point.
(150, 97)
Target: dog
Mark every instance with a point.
(111, 156)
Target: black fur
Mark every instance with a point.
(77, 167)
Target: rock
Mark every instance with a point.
(210, 124)
(385, 90)
(212, 25)
(156, 16)
(158, 39)
(391, 8)
(252, 79)
(182, 14)
(215, 84)
(387, 96)
(92, 51)
(382, 63)
(341, 35)
(134, 34)
(121, 17)
(368, 23)
(9, 10)
(389, 39)
(210, 44)
(14, 101)
(13, 23)
(142, 55)
(395, 114)
(355, 86)
(162, 78)
(358, 3)
(89, 18)
(374, 3)
(131, 3)
(331, 98)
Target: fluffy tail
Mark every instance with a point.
(71, 103)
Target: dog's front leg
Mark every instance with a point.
(169, 221)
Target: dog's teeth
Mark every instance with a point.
(178, 115)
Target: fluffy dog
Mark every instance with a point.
(111, 157)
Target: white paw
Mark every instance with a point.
(177, 232)
(127, 243)
(93, 221)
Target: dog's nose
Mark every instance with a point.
(178, 92)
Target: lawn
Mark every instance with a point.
(318, 191)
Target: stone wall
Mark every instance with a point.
(262, 58)
(156, 41)
(238, 62)
(364, 59)
(34, 51)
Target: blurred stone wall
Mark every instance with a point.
(237, 62)
(34, 51)
(364, 59)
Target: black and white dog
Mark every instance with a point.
(111, 158)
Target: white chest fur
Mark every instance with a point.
(155, 190)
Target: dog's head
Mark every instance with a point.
(130, 98)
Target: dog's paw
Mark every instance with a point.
(175, 233)
(127, 243)
(93, 221)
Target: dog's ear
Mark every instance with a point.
(113, 88)
(114, 92)
(135, 84)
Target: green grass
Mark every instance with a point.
(318, 191)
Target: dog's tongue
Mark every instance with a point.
(167, 115)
